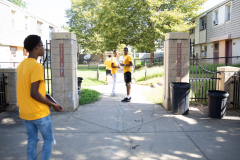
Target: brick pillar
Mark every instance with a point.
(176, 62)
(64, 70)
(224, 83)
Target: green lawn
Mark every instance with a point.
(154, 95)
(156, 71)
(90, 76)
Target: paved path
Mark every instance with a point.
(109, 129)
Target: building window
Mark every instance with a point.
(203, 23)
(26, 23)
(13, 18)
(228, 12)
(215, 19)
(39, 28)
(203, 50)
(13, 51)
(50, 32)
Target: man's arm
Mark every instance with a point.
(130, 64)
(114, 66)
(38, 97)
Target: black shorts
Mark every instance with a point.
(108, 72)
(127, 77)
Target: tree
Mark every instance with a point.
(139, 23)
(19, 3)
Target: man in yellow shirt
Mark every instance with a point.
(32, 101)
(127, 63)
(114, 71)
(108, 67)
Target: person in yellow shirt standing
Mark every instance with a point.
(32, 101)
(127, 63)
(108, 67)
(114, 72)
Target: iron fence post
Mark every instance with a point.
(98, 71)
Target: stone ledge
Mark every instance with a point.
(176, 35)
(228, 69)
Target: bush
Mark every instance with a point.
(88, 96)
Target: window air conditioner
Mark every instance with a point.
(215, 22)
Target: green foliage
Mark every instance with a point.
(88, 96)
(19, 3)
(195, 68)
(102, 25)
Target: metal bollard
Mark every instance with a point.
(145, 71)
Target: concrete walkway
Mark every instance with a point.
(109, 129)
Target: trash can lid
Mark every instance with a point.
(180, 85)
(217, 93)
(80, 78)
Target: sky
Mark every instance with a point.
(54, 10)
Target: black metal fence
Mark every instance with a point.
(236, 90)
(46, 62)
(3, 84)
(156, 61)
(202, 78)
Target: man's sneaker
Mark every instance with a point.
(126, 99)
(106, 83)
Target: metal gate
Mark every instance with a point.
(202, 77)
(3, 84)
(236, 90)
(46, 62)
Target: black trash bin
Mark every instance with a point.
(79, 85)
(80, 81)
(179, 96)
(217, 101)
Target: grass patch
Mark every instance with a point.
(88, 96)
(139, 75)
(154, 95)
(90, 76)
(199, 89)
(150, 81)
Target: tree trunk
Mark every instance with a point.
(102, 56)
(151, 56)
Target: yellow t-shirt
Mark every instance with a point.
(108, 63)
(114, 70)
(126, 60)
(29, 71)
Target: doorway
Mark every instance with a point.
(228, 52)
(216, 53)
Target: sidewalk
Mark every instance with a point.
(109, 129)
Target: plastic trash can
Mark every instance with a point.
(179, 97)
(79, 85)
(217, 101)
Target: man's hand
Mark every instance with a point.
(118, 66)
(57, 108)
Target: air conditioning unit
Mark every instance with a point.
(202, 27)
(215, 22)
